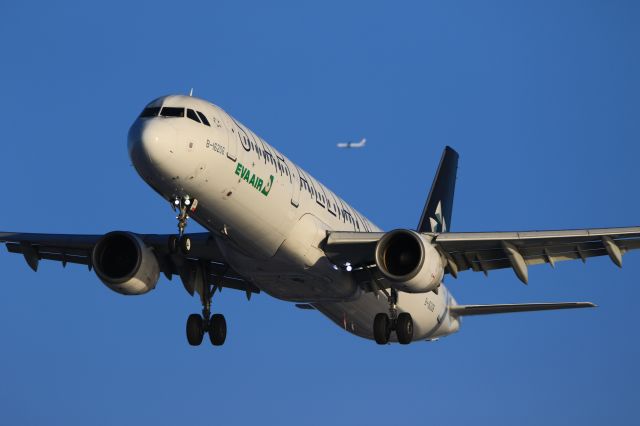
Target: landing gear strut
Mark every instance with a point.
(383, 323)
(181, 242)
(198, 325)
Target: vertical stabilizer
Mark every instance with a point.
(436, 216)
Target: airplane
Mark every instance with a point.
(271, 227)
(360, 144)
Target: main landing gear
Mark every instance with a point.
(216, 326)
(198, 325)
(182, 242)
(383, 324)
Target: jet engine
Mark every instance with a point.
(125, 264)
(409, 261)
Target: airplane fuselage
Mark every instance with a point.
(269, 216)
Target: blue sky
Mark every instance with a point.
(541, 99)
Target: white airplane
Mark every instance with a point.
(360, 144)
(272, 227)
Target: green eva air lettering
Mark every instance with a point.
(255, 181)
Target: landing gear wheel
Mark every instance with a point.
(173, 244)
(404, 328)
(381, 328)
(217, 329)
(195, 329)
(185, 245)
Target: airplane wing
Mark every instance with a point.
(461, 310)
(485, 251)
(360, 144)
(71, 248)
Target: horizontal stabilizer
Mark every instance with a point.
(460, 310)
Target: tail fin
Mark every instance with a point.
(436, 216)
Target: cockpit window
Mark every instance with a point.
(150, 112)
(203, 118)
(192, 115)
(167, 111)
(172, 112)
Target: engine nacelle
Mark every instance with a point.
(409, 261)
(125, 264)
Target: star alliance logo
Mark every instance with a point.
(438, 223)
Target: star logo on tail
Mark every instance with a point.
(438, 223)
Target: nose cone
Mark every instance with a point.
(151, 144)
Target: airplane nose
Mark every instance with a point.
(151, 143)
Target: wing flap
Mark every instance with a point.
(485, 251)
(56, 254)
(463, 310)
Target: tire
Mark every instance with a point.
(185, 245)
(404, 328)
(172, 243)
(381, 328)
(195, 329)
(217, 329)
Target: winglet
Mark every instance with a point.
(436, 215)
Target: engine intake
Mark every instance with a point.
(125, 264)
(409, 261)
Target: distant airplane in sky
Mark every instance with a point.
(272, 227)
(360, 144)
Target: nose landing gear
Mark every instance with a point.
(383, 323)
(181, 242)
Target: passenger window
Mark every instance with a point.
(192, 115)
(172, 112)
(150, 112)
(203, 118)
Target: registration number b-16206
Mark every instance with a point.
(429, 304)
(215, 146)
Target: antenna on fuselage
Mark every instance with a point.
(191, 92)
